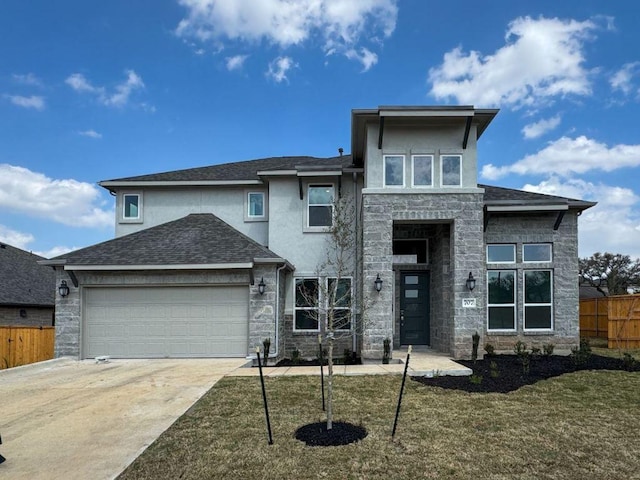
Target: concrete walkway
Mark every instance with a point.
(421, 363)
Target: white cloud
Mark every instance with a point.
(120, 95)
(542, 58)
(34, 101)
(617, 206)
(365, 56)
(279, 67)
(15, 238)
(622, 79)
(67, 201)
(28, 79)
(341, 25)
(55, 251)
(539, 128)
(90, 134)
(567, 156)
(236, 62)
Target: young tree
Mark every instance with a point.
(618, 272)
(329, 298)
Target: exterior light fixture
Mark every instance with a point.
(63, 288)
(378, 283)
(471, 282)
(261, 286)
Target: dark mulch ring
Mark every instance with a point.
(342, 433)
(505, 373)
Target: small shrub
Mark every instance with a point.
(520, 348)
(490, 349)
(547, 350)
(629, 362)
(525, 360)
(296, 357)
(535, 352)
(580, 355)
(493, 370)
(474, 350)
(386, 355)
(475, 379)
(266, 343)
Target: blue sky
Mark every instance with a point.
(91, 91)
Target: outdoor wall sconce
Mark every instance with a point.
(261, 286)
(378, 283)
(63, 289)
(471, 282)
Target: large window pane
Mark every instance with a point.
(422, 170)
(306, 292)
(342, 293)
(306, 320)
(451, 170)
(537, 317)
(501, 253)
(394, 171)
(536, 252)
(538, 288)
(321, 195)
(501, 318)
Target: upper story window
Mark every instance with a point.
(255, 205)
(394, 170)
(536, 252)
(320, 206)
(422, 168)
(451, 167)
(501, 253)
(131, 206)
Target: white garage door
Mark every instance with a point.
(158, 322)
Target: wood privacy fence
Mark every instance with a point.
(615, 318)
(23, 345)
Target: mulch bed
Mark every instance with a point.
(342, 433)
(504, 373)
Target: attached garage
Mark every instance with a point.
(160, 322)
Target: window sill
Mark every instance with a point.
(547, 333)
(502, 333)
(316, 229)
(131, 220)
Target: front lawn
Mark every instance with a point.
(579, 425)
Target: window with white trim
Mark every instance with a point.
(306, 313)
(255, 205)
(501, 292)
(339, 295)
(501, 253)
(538, 300)
(131, 206)
(422, 170)
(451, 170)
(536, 252)
(320, 205)
(394, 171)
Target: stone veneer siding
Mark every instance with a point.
(538, 228)
(261, 315)
(463, 213)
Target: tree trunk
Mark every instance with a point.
(330, 387)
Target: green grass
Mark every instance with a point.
(580, 425)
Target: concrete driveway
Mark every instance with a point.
(65, 419)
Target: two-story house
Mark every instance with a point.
(210, 261)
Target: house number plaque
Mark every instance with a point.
(468, 303)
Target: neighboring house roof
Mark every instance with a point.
(232, 172)
(23, 282)
(198, 240)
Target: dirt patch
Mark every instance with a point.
(342, 433)
(506, 373)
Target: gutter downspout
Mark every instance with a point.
(278, 270)
(354, 336)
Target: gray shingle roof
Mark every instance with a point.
(495, 195)
(247, 170)
(197, 239)
(23, 282)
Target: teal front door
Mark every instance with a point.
(414, 308)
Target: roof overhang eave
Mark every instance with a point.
(185, 266)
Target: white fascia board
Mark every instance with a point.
(204, 266)
(526, 208)
(276, 173)
(320, 173)
(274, 261)
(427, 113)
(181, 183)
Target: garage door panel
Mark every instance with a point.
(165, 321)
